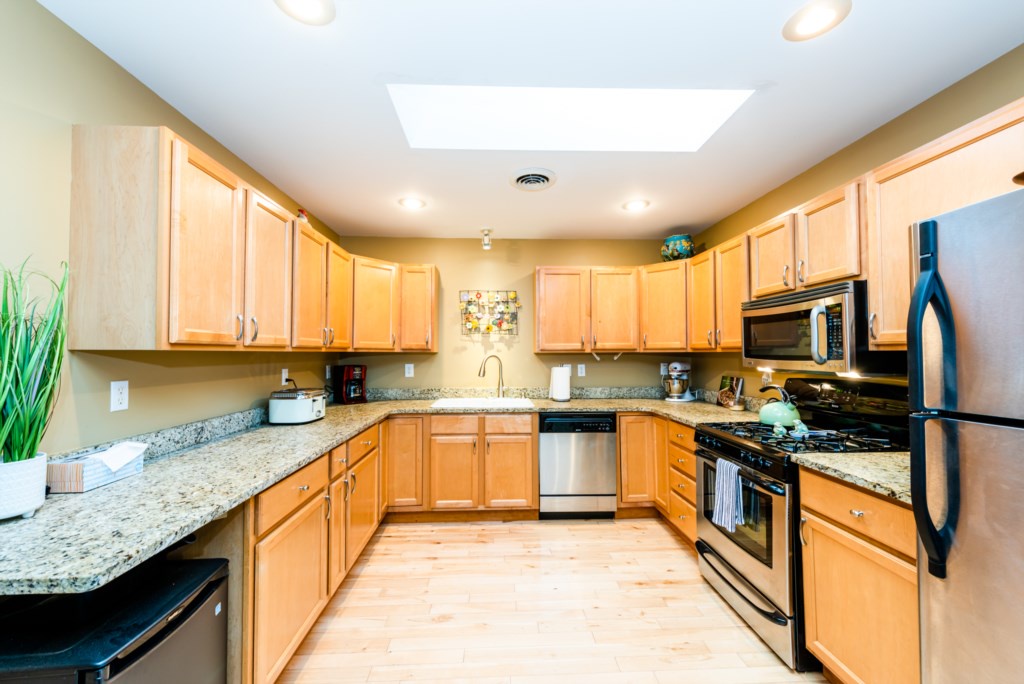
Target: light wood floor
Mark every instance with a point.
(590, 601)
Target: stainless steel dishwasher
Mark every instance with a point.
(577, 465)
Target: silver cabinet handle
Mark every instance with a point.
(367, 442)
(871, 325)
(710, 343)
(800, 270)
(595, 341)
(487, 446)
(427, 341)
(343, 461)
(348, 492)
(241, 327)
(324, 336)
(392, 340)
(680, 460)
(856, 514)
(645, 339)
(682, 517)
(332, 336)
(681, 485)
(718, 337)
(785, 275)
(355, 482)
(582, 343)
(803, 521)
(255, 328)
(328, 514)
(303, 488)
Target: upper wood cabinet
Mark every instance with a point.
(972, 164)
(375, 319)
(562, 309)
(418, 328)
(701, 287)
(828, 237)
(159, 248)
(663, 300)
(321, 292)
(339, 298)
(268, 273)
(587, 309)
(731, 290)
(772, 256)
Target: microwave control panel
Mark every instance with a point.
(834, 331)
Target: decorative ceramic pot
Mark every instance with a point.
(22, 487)
(677, 247)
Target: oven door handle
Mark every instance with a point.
(770, 487)
(709, 555)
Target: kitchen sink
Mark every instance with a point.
(482, 403)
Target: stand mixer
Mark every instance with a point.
(677, 382)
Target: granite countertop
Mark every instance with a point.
(882, 472)
(78, 542)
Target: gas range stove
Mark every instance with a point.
(758, 435)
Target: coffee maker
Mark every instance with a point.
(349, 384)
(677, 382)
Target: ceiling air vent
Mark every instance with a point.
(533, 180)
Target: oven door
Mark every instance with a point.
(759, 549)
(806, 334)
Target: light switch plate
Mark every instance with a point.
(581, 369)
(327, 371)
(119, 395)
(410, 370)
(664, 368)
(284, 376)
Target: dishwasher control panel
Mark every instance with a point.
(577, 422)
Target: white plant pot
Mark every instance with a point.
(22, 487)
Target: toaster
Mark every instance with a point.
(299, 405)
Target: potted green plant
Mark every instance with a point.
(33, 328)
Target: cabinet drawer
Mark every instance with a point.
(508, 424)
(682, 515)
(362, 444)
(683, 485)
(454, 425)
(871, 516)
(338, 458)
(277, 502)
(682, 460)
(683, 435)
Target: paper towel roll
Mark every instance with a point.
(559, 388)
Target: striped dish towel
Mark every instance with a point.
(728, 496)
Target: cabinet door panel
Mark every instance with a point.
(509, 472)
(268, 274)
(614, 300)
(702, 301)
(683, 515)
(660, 456)
(861, 606)
(663, 302)
(828, 237)
(772, 249)
(562, 311)
(206, 250)
(363, 509)
(309, 283)
(375, 289)
(454, 472)
(339, 297)
(405, 461)
(336, 535)
(732, 277)
(636, 458)
(290, 588)
(418, 307)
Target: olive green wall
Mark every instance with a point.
(51, 78)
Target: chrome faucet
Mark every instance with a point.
(501, 374)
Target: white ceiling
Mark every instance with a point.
(308, 108)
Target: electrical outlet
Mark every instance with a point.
(581, 369)
(119, 395)
(284, 376)
(327, 371)
(410, 370)
(664, 368)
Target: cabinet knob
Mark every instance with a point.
(856, 514)
(682, 517)
(680, 460)
(367, 442)
(303, 488)
(681, 486)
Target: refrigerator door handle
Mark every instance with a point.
(935, 540)
(930, 292)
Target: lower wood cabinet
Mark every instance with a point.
(508, 471)
(860, 594)
(454, 472)
(362, 510)
(404, 456)
(681, 465)
(636, 459)
(336, 567)
(661, 469)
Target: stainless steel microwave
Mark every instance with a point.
(820, 330)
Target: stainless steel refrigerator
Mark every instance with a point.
(965, 338)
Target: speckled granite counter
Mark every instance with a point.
(77, 542)
(886, 473)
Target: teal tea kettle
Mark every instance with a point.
(775, 411)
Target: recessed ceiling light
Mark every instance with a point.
(816, 18)
(412, 203)
(312, 12)
(561, 119)
(485, 241)
(636, 205)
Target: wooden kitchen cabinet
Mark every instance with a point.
(659, 427)
(860, 593)
(636, 459)
(158, 243)
(663, 301)
(614, 309)
(321, 292)
(701, 287)
(454, 472)
(681, 463)
(268, 273)
(375, 318)
(828, 237)
(418, 302)
(508, 471)
(362, 510)
(562, 309)
(339, 303)
(336, 568)
(732, 277)
(974, 163)
(772, 256)
(405, 461)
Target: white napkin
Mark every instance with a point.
(119, 455)
(728, 496)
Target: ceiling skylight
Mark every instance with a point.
(561, 119)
